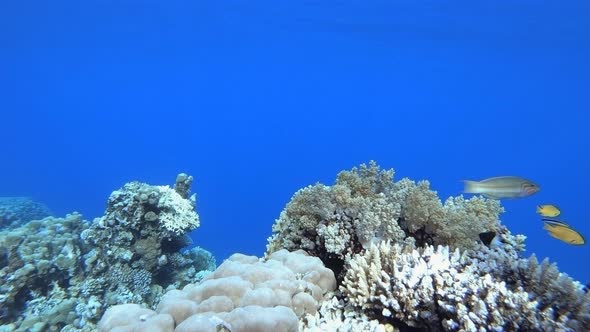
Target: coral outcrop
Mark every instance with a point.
(62, 273)
(365, 205)
(405, 260)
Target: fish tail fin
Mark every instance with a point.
(538, 208)
(471, 187)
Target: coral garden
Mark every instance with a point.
(366, 253)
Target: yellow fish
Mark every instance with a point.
(562, 231)
(548, 210)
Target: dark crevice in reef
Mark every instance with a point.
(11, 313)
(422, 237)
(164, 276)
(175, 244)
(335, 264)
(3, 258)
(42, 287)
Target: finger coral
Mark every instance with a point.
(442, 290)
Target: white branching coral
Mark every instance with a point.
(445, 290)
(177, 214)
(559, 297)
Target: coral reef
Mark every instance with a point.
(63, 273)
(407, 261)
(365, 254)
(243, 294)
(15, 211)
(365, 205)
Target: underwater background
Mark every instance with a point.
(257, 99)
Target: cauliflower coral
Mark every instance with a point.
(365, 205)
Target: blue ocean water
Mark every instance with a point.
(257, 99)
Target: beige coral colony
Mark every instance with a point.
(365, 253)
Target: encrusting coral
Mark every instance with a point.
(243, 294)
(63, 273)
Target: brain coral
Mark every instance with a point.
(365, 205)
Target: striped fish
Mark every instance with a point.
(502, 187)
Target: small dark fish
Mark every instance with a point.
(487, 237)
(586, 287)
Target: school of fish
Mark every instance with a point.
(503, 187)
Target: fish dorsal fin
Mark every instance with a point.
(495, 178)
(555, 222)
